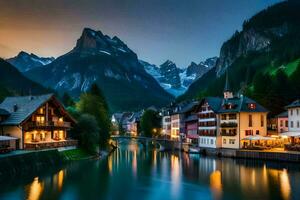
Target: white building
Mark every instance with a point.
(208, 122)
(293, 121)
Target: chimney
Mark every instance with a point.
(15, 108)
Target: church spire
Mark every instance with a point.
(227, 91)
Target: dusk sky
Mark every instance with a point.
(157, 30)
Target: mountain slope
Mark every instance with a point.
(108, 62)
(12, 82)
(268, 43)
(25, 61)
(176, 80)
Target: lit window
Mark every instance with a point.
(224, 141)
(231, 141)
(252, 106)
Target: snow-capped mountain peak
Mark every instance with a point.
(25, 61)
(175, 80)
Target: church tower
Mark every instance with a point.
(227, 92)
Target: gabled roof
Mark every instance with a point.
(283, 114)
(22, 107)
(294, 104)
(241, 104)
(187, 107)
(214, 103)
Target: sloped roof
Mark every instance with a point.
(136, 116)
(294, 104)
(283, 114)
(214, 103)
(4, 112)
(188, 107)
(241, 104)
(191, 118)
(25, 105)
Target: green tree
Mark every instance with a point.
(67, 100)
(150, 123)
(86, 131)
(94, 103)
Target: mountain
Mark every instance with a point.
(109, 63)
(195, 71)
(262, 59)
(25, 61)
(176, 80)
(12, 82)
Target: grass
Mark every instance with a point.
(76, 154)
(289, 68)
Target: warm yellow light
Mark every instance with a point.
(35, 189)
(216, 184)
(285, 186)
(61, 119)
(60, 179)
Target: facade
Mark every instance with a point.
(279, 124)
(241, 117)
(293, 121)
(191, 126)
(36, 122)
(166, 126)
(208, 122)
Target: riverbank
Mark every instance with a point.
(279, 156)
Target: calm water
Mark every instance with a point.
(133, 173)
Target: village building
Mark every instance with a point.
(278, 124)
(208, 122)
(166, 122)
(242, 120)
(293, 132)
(35, 122)
(133, 123)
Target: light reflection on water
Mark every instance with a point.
(134, 173)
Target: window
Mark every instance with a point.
(231, 141)
(286, 123)
(281, 123)
(40, 119)
(224, 141)
(223, 117)
(248, 132)
(250, 120)
(211, 141)
(292, 124)
(297, 111)
(41, 111)
(257, 132)
(291, 111)
(232, 116)
(262, 121)
(252, 106)
(298, 124)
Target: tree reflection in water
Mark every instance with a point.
(132, 172)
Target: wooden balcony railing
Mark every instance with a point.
(50, 144)
(228, 125)
(47, 124)
(223, 133)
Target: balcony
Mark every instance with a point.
(50, 144)
(207, 127)
(228, 125)
(224, 133)
(50, 124)
(208, 134)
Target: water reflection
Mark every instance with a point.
(35, 189)
(132, 172)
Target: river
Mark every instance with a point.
(132, 172)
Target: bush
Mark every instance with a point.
(87, 132)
